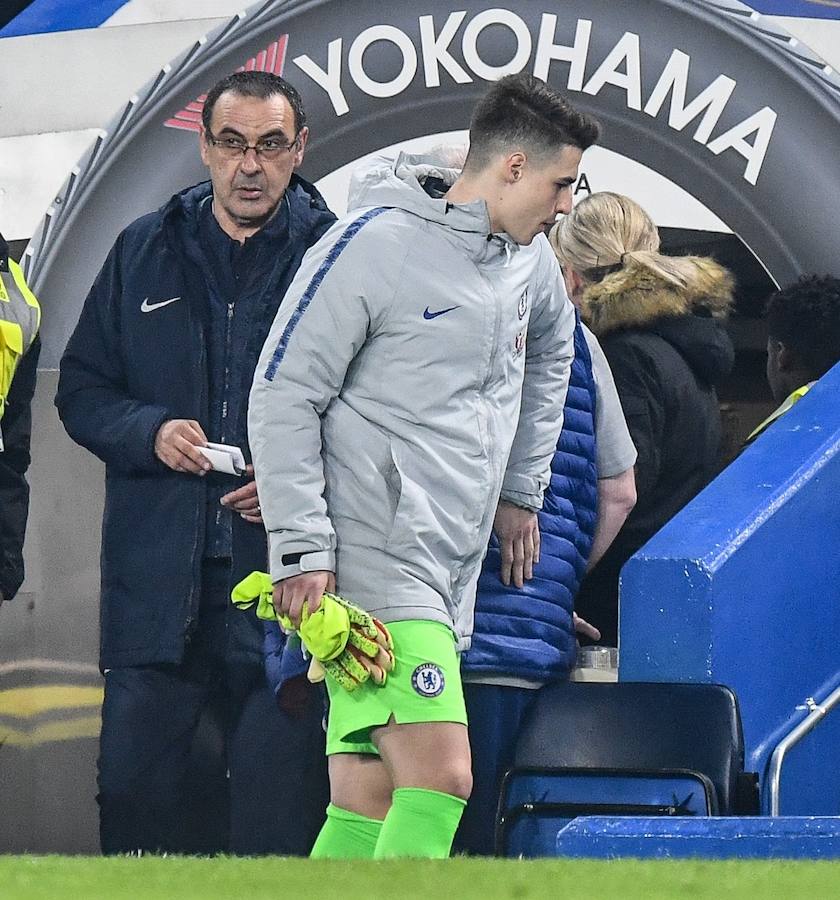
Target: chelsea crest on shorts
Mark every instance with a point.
(427, 679)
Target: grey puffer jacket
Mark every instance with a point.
(385, 407)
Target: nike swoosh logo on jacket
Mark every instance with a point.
(145, 306)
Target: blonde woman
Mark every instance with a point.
(660, 322)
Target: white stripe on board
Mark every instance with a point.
(141, 12)
(48, 665)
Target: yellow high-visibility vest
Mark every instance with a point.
(790, 401)
(20, 318)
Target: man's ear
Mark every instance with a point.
(302, 138)
(784, 357)
(574, 284)
(203, 146)
(514, 166)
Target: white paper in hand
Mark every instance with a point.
(225, 458)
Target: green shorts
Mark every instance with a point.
(425, 686)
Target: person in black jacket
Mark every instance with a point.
(660, 322)
(803, 341)
(16, 425)
(159, 365)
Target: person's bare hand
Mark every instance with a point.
(583, 627)
(519, 541)
(244, 500)
(291, 594)
(176, 446)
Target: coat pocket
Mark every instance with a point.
(433, 526)
(362, 484)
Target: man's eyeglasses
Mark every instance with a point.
(235, 147)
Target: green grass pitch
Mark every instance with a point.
(181, 878)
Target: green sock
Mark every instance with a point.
(420, 823)
(346, 835)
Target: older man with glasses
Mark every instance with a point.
(160, 366)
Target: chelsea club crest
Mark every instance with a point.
(523, 304)
(427, 679)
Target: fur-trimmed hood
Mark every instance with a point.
(634, 299)
(635, 296)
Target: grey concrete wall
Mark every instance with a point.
(49, 684)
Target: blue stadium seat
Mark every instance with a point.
(622, 749)
(538, 803)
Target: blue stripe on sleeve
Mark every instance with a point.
(312, 288)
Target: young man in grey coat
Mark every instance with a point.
(415, 375)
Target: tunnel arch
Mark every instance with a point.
(371, 76)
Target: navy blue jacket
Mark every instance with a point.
(135, 361)
(529, 633)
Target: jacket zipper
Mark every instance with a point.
(226, 388)
(458, 581)
(193, 602)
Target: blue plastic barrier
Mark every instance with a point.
(680, 838)
(742, 588)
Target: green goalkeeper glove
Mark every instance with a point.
(346, 643)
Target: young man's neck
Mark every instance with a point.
(472, 187)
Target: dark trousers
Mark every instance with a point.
(495, 717)
(197, 757)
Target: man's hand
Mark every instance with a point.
(244, 500)
(583, 627)
(345, 642)
(308, 587)
(176, 446)
(519, 540)
(361, 649)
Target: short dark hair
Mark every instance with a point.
(805, 317)
(254, 84)
(522, 110)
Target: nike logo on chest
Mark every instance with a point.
(146, 307)
(428, 314)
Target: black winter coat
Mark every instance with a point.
(667, 349)
(135, 361)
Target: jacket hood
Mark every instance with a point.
(702, 341)
(689, 317)
(635, 296)
(401, 184)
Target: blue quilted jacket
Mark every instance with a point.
(528, 633)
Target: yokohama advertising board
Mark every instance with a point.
(709, 97)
